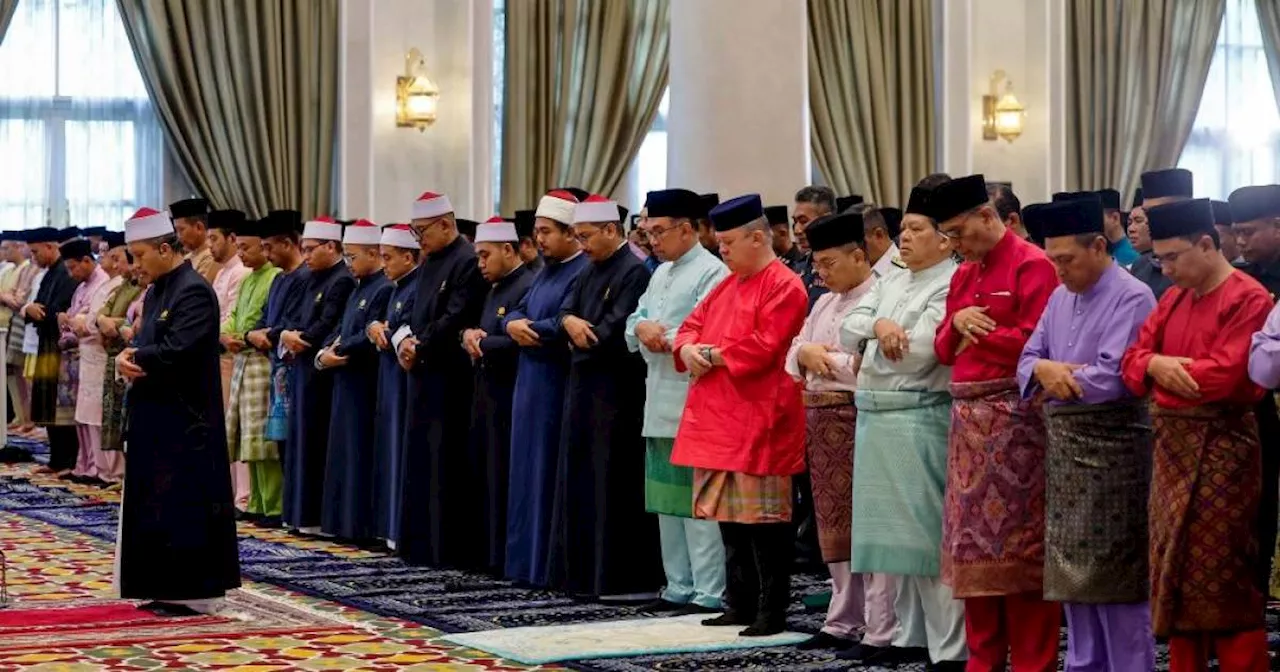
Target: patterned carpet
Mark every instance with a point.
(66, 554)
(264, 628)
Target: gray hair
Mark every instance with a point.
(818, 195)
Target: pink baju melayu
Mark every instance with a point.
(87, 301)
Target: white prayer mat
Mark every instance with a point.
(615, 639)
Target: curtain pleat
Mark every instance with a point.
(582, 83)
(1135, 72)
(871, 95)
(247, 92)
(7, 10)
(1268, 20)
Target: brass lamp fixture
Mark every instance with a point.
(417, 96)
(1002, 115)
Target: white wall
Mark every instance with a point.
(739, 119)
(1025, 38)
(383, 168)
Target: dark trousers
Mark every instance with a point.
(757, 562)
(1269, 436)
(64, 447)
(808, 553)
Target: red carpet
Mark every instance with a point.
(118, 615)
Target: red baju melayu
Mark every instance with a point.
(743, 431)
(993, 520)
(1206, 475)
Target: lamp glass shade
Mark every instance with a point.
(417, 103)
(1009, 115)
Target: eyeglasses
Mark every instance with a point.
(654, 234)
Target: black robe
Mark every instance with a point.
(177, 522)
(603, 542)
(495, 382)
(350, 494)
(56, 288)
(388, 434)
(319, 312)
(437, 527)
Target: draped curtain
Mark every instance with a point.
(871, 95)
(581, 87)
(247, 92)
(1268, 21)
(7, 8)
(1136, 70)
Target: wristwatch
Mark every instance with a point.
(706, 354)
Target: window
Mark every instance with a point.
(1235, 140)
(651, 162)
(81, 141)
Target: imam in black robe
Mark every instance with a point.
(177, 522)
(603, 542)
(349, 488)
(319, 313)
(495, 381)
(56, 288)
(437, 527)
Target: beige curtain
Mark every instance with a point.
(7, 8)
(1135, 73)
(247, 93)
(582, 84)
(1268, 19)
(871, 95)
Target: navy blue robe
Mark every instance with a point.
(389, 424)
(320, 311)
(349, 505)
(537, 402)
(603, 541)
(283, 300)
(491, 414)
(436, 526)
(178, 529)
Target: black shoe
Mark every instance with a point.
(660, 606)
(168, 609)
(94, 481)
(764, 629)
(727, 618)
(691, 609)
(862, 653)
(946, 666)
(269, 522)
(823, 640)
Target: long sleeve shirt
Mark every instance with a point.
(675, 288)
(81, 300)
(822, 327)
(747, 415)
(1264, 353)
(226, 285)
(1214, 330)
(1013, 282)
(915, 301)
(251, 300)
(1093, 328)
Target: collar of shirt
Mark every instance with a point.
(407, 277)
(1108, 276)
(688, 257)
(885, 263)
(1001, 250)
(447, 249)
(947, 265)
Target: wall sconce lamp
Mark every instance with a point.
(1002, 115)
(417, 97)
